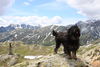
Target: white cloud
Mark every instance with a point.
(37, 20)
(4, 5)
(89, 8)
(32, 20)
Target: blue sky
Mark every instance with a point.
(48, 8)
(69, 11)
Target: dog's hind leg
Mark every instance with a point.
(74, 55)
(68, 53)
(57, 46)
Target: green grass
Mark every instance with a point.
(96, 41)
(22, 49)
(26, 49)
(84, 49)
(34, 49)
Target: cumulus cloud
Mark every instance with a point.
(4, 5)
(32, 20)
(89, 8)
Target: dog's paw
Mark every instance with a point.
(55, 52)
(69, 57)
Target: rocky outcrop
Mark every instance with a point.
(91, 55)
(8, 60)
(58, 60)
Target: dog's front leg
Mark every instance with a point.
(56, 48)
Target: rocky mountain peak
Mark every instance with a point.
(12, 27)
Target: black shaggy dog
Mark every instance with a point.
(69, 40)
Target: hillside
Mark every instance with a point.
(43, 57)
(90, 31)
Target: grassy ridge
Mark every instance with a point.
(23, 49)
(26, 49)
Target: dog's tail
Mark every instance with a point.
(54, 33)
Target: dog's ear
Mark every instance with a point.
(54, 33)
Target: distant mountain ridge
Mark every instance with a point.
(16, 26)
(90, 31)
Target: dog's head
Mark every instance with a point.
(74, 32)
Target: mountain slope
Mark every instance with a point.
(89, 31)
(28, 35)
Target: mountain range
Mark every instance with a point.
(90, 31)
(16, 26)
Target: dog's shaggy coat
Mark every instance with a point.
(69, 40)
